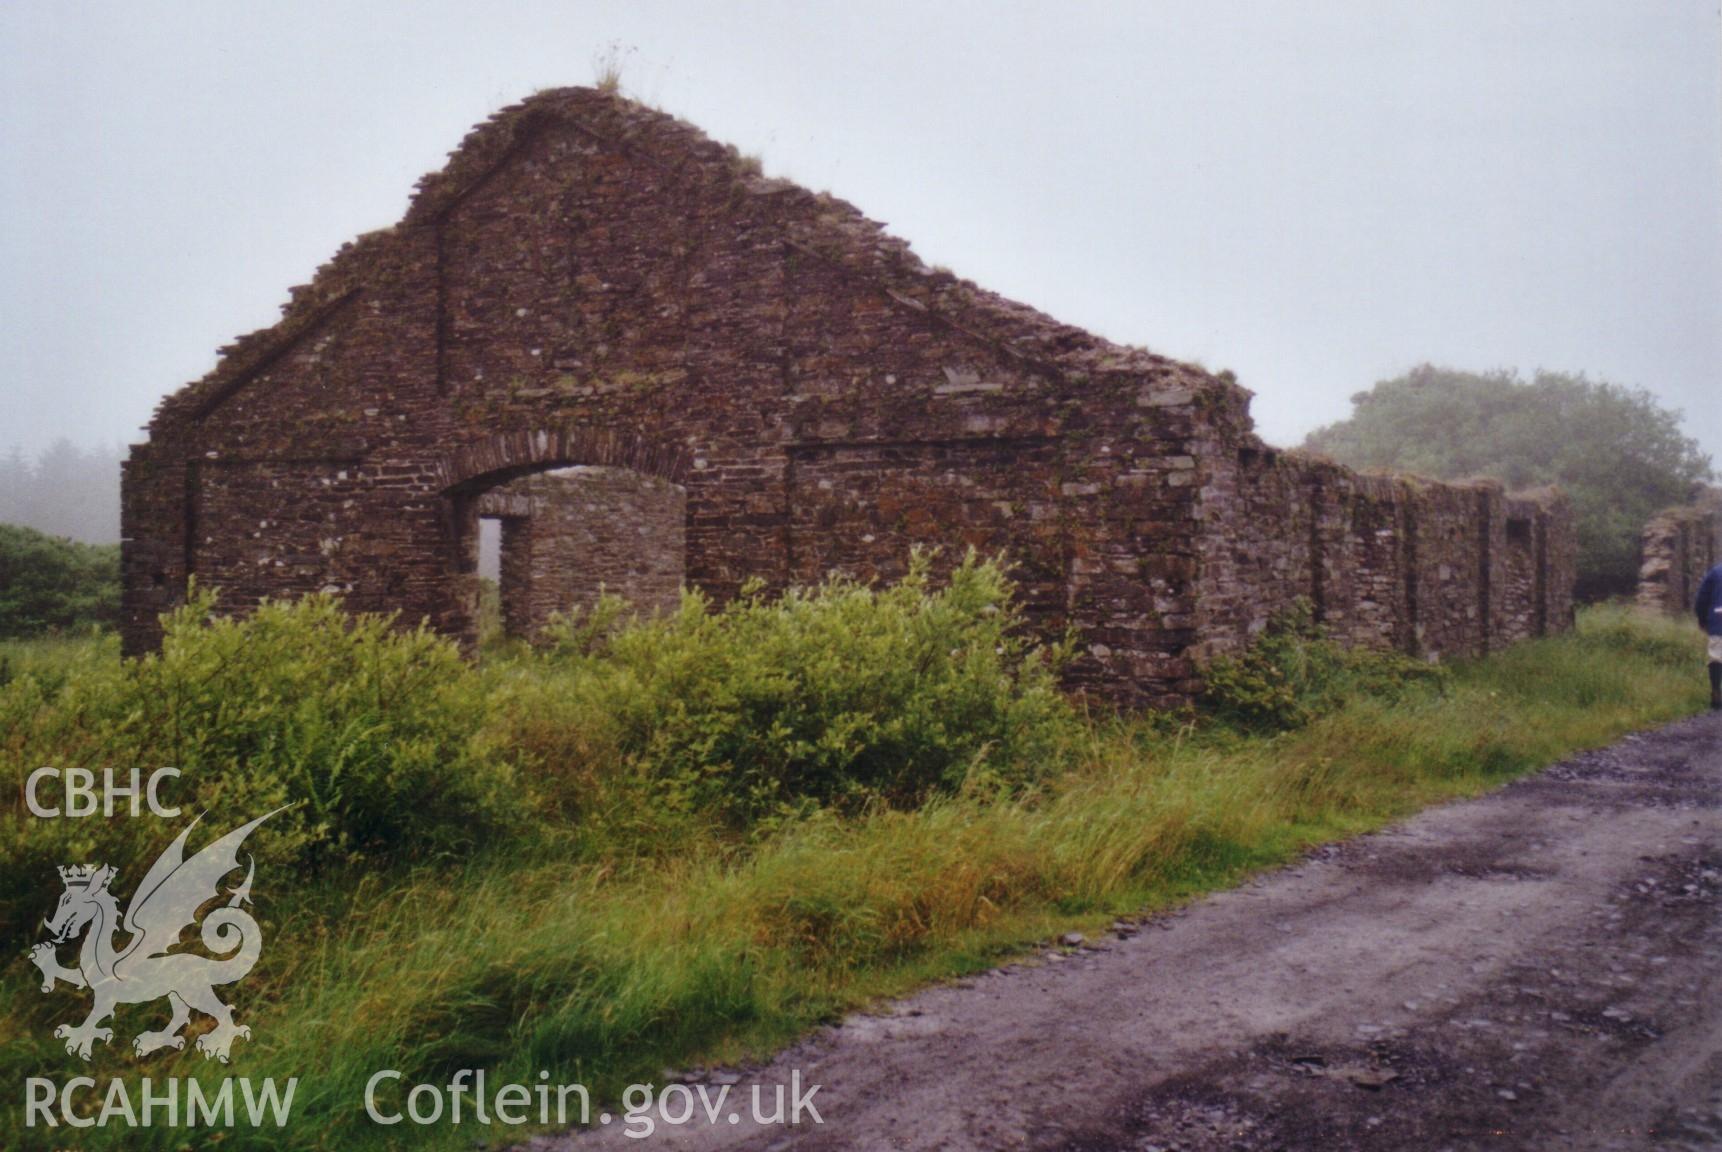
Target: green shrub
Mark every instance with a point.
(55, 660)
(1294, 672)
(391, 747)
(840, 695)
(49, 584)
(365, 729)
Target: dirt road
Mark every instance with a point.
(1540, 968)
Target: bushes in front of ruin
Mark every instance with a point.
(843, 695)
(389, 747)
(606, 960)
(51, 585)
(1293, 672)
(364, 730)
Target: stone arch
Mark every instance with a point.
(497, 457)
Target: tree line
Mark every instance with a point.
(59, 540)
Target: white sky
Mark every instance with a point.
(1316, 194)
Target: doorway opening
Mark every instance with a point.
(555, 541)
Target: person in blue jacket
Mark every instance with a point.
(1709, 609)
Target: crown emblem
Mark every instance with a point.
(78, 875)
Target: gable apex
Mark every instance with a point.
(818, 225)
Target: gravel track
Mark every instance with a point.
(1537, 968)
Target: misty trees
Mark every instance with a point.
(49, 583)
(67, 491)
(1616, 451)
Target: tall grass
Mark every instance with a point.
(602, 960)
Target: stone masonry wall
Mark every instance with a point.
(572, 535)
(593, 283)
(1678, 547)
(590, 282)
(1436, 570)
(1523, 595)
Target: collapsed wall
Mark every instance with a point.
(1677, 548)
(1438, 570)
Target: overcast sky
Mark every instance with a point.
(1316, 194)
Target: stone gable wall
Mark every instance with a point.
(591, 283)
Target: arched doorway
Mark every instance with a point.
(556, 541)
(572, 513)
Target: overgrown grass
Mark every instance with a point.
(54, 660)
(603, 958)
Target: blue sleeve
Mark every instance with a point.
(1705, 605)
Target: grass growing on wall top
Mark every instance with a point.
(740, 823)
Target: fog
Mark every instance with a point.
(1315, 195)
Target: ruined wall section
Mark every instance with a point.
(1435, 570)
(516, 575)
(591, 282)
(1677, 548)
(1540, 567)
(1455, 545)
(256, 480)
(1523, 555)
(1560, 535)
(1366, 599)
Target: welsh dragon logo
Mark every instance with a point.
(145, 969)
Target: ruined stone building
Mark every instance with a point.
(1677, 548)
(759, 382)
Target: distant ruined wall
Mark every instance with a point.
(569, 537)
(1678, 547)
(1431, 569)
